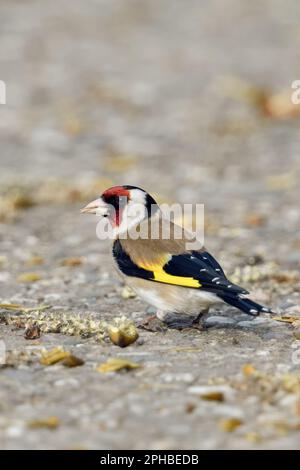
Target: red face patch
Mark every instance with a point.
(115, 191)
(117, 197)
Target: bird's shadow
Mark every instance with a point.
(262, 325)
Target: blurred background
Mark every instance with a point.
(191, 100)
(182, 98)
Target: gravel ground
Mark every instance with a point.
(181, 99)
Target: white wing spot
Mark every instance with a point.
(201, 270)
(215, 279)
(253, 310)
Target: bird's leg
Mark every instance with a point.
(200, 319)
(180, 322)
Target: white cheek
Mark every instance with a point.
(135, 211)
(132, 215)
(138, 196)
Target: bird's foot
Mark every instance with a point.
(153, 324)
(183, 322)
(162, 321)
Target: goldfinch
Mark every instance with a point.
(163, 271)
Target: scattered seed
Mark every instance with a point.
(29, 277)
(117, 364)
(52, 357)
(213, 396)
(21, 201)
(74, 261)
(190, 407)
(21, 308)
(255, 220)
(249, 369)
(122, 332)
(35, 261)
(32, 332)
(229, 425)
(188, 350)
(287, 319)
(253, 437)
(52, 422)
(128, 293)
(72, 361)
(280, 182)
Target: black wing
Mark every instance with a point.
(193, 269)
(203, 267)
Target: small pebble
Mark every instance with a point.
(219, 392)
(151, 310)
(184, 377)
(219, 321)
(253, 323)
(14, 431)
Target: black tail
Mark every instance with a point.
(244, 304)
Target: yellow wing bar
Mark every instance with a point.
(161, 276)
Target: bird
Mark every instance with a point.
(180, 280)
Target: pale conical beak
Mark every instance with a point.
(98, 207)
